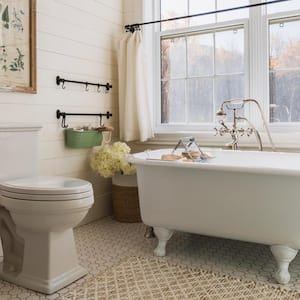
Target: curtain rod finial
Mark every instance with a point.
(132, 28)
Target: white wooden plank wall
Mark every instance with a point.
(77, 40)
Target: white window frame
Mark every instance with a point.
(285, 135)
(171, 127)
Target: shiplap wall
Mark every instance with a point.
(77, 40)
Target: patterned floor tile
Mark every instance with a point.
(105, 243)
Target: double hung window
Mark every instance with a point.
(202, 61)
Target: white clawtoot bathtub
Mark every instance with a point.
(243, 195)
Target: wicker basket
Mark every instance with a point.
(125, 202)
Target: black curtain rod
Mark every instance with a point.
(136, 26)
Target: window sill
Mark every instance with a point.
(283, 141)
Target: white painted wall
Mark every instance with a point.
(133, 11)
(76, 40)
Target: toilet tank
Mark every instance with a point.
(18, 151)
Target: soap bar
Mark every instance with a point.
(191, 154)
(170, 157)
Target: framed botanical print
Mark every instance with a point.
(18, 46)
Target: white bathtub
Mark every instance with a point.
(243, 195)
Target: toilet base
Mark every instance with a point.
(41, 285)
(49, 261)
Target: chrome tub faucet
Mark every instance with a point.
(236, 132)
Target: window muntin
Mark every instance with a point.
(197, 71)
(284, 70)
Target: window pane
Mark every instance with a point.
(200, 100)
(285, 96)
(173, 8)
(285, 45)
(196, 7)
(173, 101)
(230, 51)
(285, 6)
(285, 72)
(235, 14)
(229, 87)
(173, 58)
(200, 54)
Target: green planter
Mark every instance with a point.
(82, 139)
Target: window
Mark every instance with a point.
(206, 60)
(198, 71)
(284, 70)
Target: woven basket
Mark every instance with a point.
(125, 202)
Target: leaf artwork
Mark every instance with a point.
(5, 17)
(3, 58)
(17, 64)
(17, 22)
(17, 41)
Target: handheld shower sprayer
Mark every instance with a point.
(236, 104)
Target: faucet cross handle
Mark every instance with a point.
(216, 131)
(249, 131)
(221, 131)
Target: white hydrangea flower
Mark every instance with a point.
(110, 159)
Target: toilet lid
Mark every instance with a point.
(47, 185)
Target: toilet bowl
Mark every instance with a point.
(37, 217)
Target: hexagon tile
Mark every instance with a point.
(104, 243)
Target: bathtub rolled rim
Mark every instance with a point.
(151, 158)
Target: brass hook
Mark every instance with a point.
(63, 85)
(86, 86)
(98, 89)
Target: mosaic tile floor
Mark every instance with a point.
(106, 242)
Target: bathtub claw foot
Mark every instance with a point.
(163, 235)
(283, 256)
(149, 234)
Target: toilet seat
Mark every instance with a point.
(46, 188)
(46, 194)
(43, 197)
(42, 208)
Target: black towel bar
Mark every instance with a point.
(64, 114)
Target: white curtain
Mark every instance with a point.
(135, 117)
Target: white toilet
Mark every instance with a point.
(37, 216)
